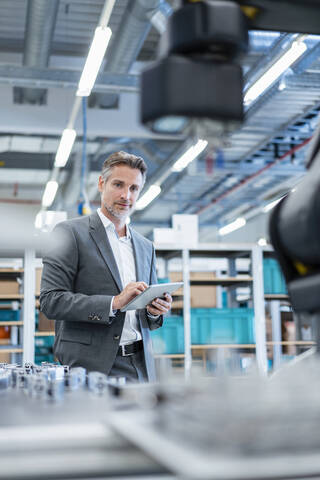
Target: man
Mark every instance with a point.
(96, 266)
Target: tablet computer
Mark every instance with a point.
(153, 291)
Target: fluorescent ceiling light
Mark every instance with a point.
(147, 198)
(189, 155)
(270, 205)
(93, 63)
(65, 147)
(49, 193)
(275, 71)
(231, 227)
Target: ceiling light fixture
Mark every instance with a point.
(189, 155)
(231, 227)
(65, 147)
(49, 193)
(270, 205)
(94, 60)
(275, 71)
(152, 192)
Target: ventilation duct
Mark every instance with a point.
(40, 24)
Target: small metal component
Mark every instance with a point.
(80, 374)
(37, 385)
(5, 379)
(97, 383)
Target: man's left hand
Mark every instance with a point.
(160, 306)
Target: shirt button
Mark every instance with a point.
(116, 337)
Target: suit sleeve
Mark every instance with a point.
(154, 323)
(57, 298)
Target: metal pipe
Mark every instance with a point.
(40, 24)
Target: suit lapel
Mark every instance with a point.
(98, 233)
(139, 258)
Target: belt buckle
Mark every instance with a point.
(123, 351)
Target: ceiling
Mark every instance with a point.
(260, 161)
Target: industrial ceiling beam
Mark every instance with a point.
(40, 78)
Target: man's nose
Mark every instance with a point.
(126, 193)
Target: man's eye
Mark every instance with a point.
(134, 189)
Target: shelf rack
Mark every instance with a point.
(11, 296)
(44, 334)
(230, 251)
(27, 297)
(17, 323)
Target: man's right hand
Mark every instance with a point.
(128, 293)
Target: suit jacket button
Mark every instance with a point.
(116, 337)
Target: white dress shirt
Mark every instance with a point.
(122, 249)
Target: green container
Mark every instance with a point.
(169, 338)
(222, 325)
(273, 278)
(43, 351)
(43, 358)
(9, 315)
(45, 341)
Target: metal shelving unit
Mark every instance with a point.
(27, 304)
(231, 252)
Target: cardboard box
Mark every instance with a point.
(9, 287)
(289, 334)
(188, 228)
(5, 357)
(177, 276)
(201, 296)
(165, 235)
(38, 280)
(45, 325)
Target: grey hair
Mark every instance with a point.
(123, 158)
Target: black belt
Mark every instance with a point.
(126, 350)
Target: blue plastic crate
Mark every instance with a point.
(170, 337)
(273, 278)
(43, 358)
(164, 280)
(45, 341)
(9, 315)
(43, 351)
(222, 325)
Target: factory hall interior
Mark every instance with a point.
(159, 240)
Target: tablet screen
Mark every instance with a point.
(153, 291)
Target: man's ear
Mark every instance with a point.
(100, 184)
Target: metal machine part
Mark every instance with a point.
(54, 426)
(197, 76)
(232, 429)
(295, 235)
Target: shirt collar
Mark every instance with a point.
(109, 225)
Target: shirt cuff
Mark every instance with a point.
(112, 313)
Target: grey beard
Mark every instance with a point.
(114, 213)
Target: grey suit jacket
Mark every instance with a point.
(80, 277)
